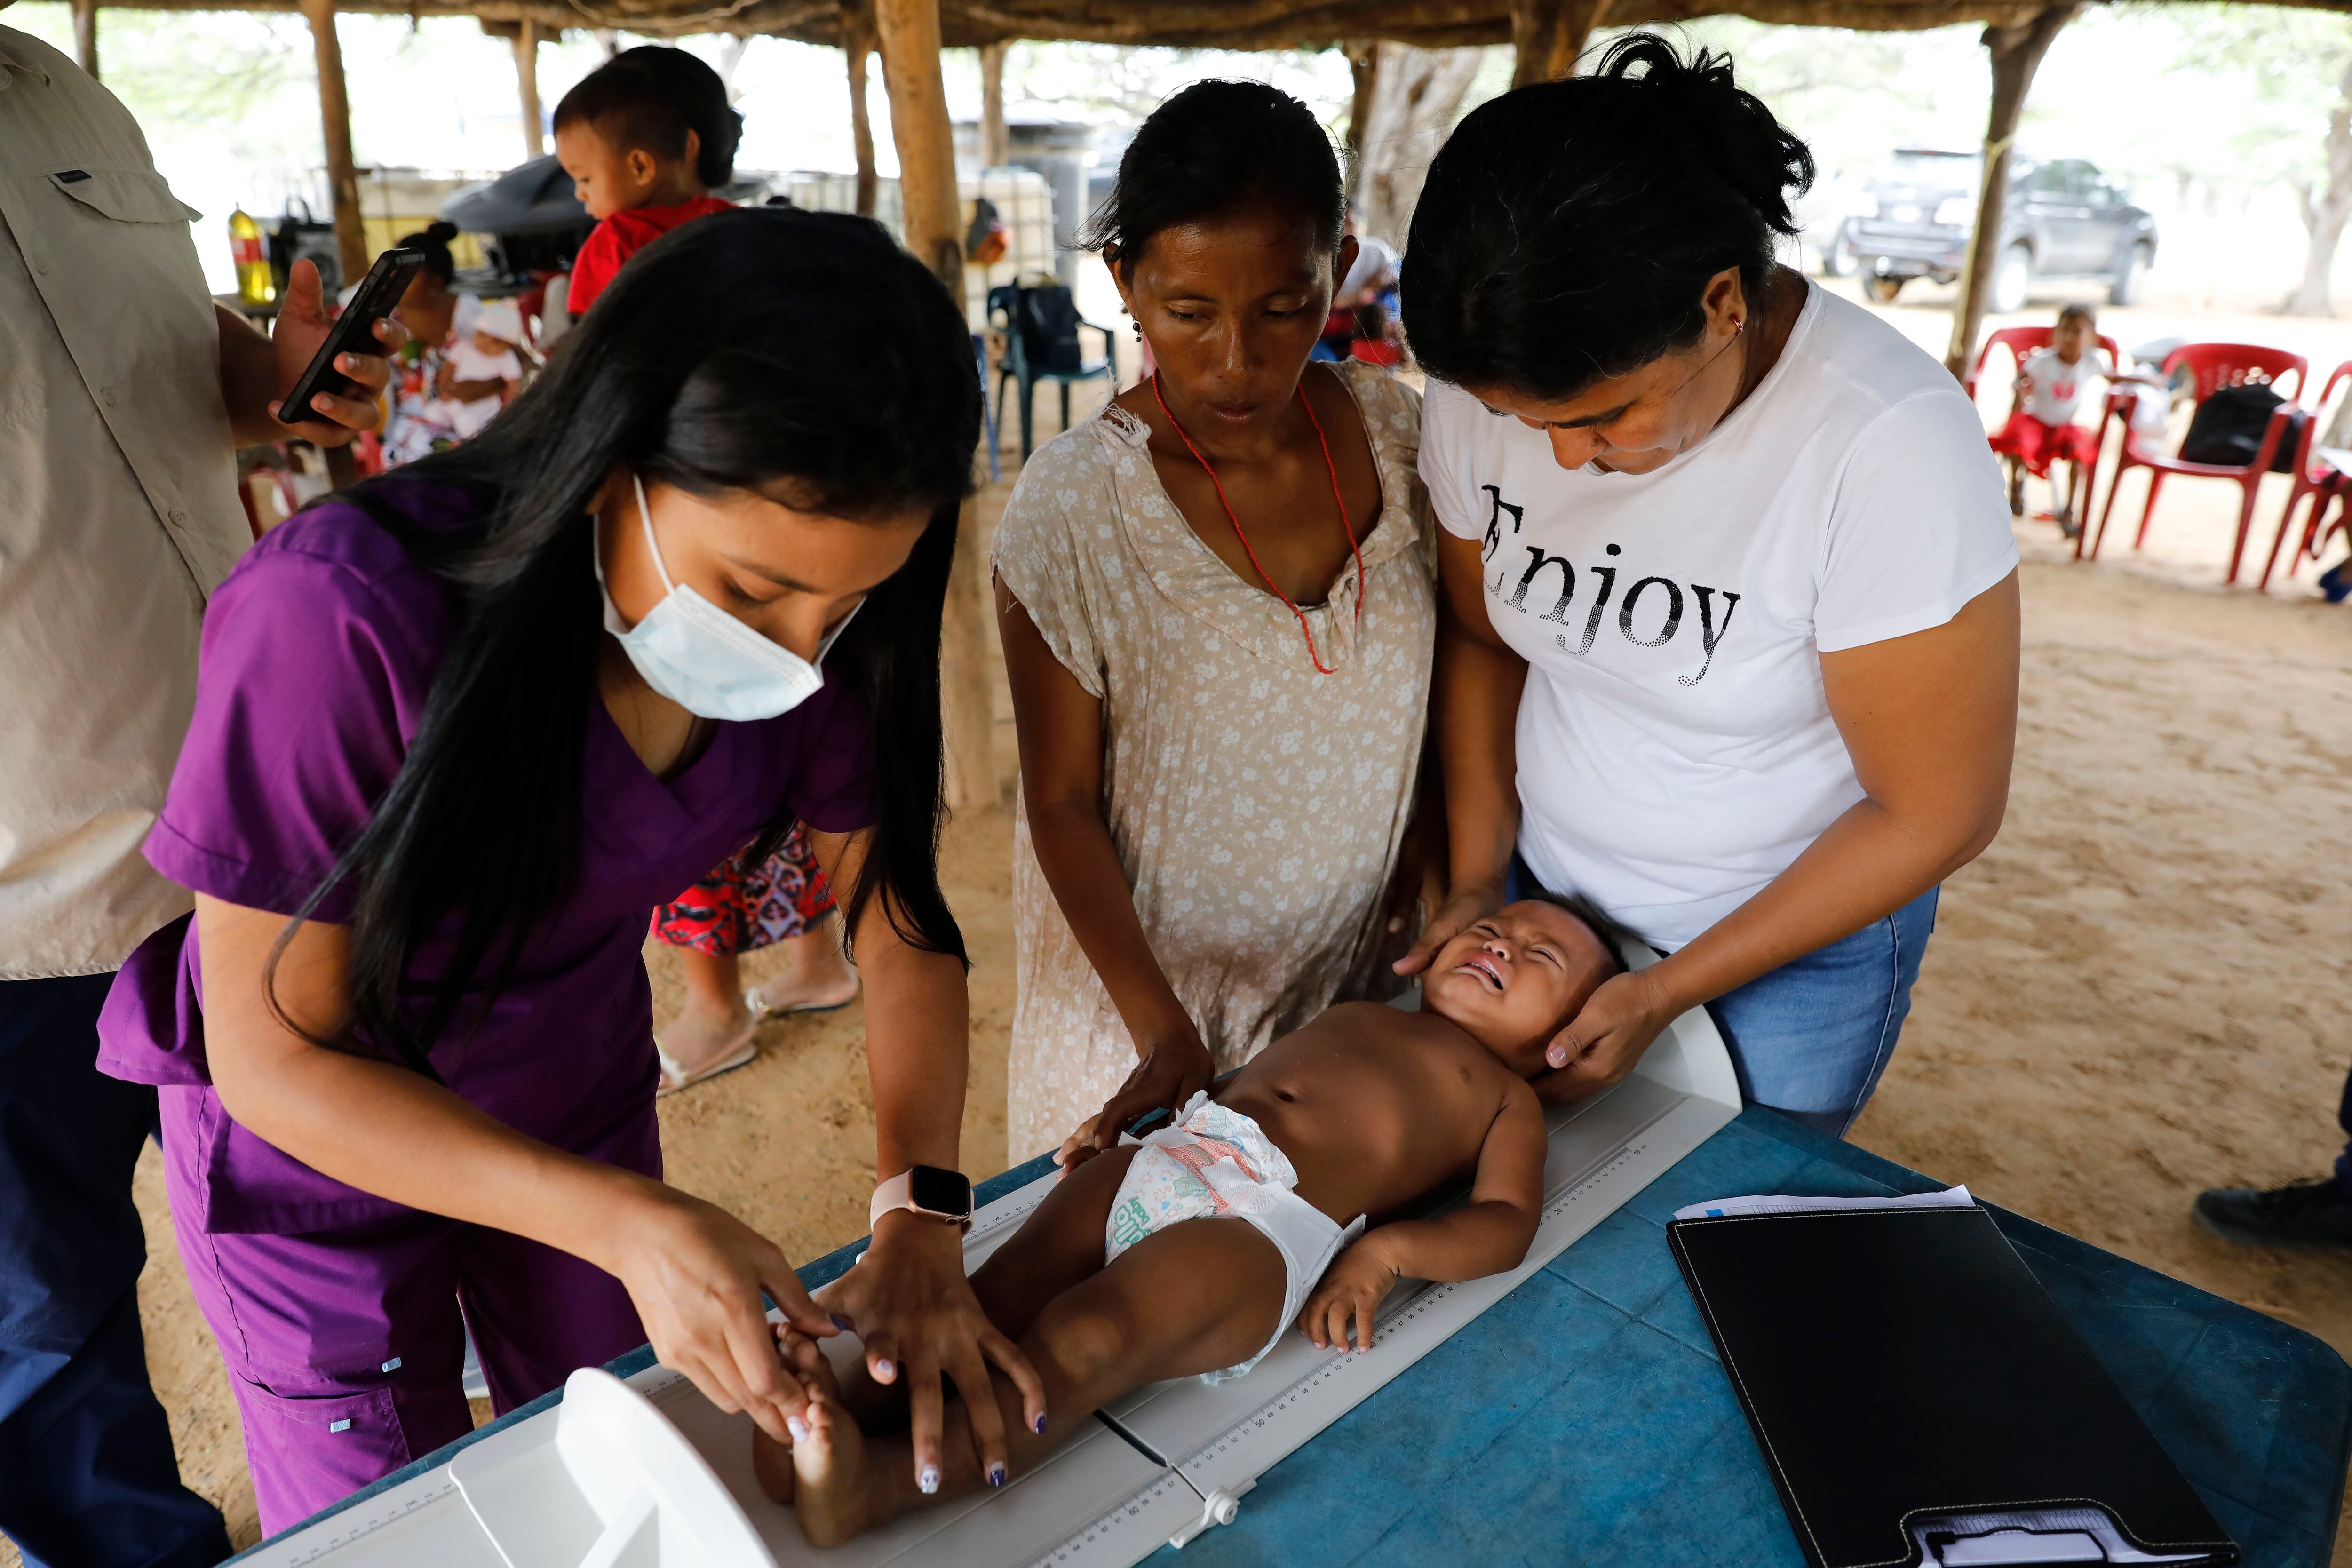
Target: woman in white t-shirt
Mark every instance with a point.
(1728, 584)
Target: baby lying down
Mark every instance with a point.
(1193, 1251)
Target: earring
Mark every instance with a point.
(1138, 330)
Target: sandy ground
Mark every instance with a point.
(2139, 991)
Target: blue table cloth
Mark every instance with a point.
(1584, 1419)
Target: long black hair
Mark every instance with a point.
(1213, 147)
(803, 354)
(649, 98)
(1567, 230)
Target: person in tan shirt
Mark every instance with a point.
(126, 392)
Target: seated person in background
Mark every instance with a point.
(1363, 322)
(482, 371)
(1191, 1252)
(2051, 384)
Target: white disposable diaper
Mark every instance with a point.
(1211, 1160)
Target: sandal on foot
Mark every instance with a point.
(762, 1012)
(675, 1078)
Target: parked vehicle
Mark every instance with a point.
(1820, 243)
(2063, 218)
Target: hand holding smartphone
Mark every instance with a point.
(379, 294)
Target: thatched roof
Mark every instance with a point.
(1219, 24)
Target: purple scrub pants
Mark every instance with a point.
(345, 1347)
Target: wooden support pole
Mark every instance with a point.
(1548, 34)
(908, 34)
(856, 44)
(335, 117)
(84, 15)
(1364, 67)
(2016, 54)
(966, 669)
(995, 147)
(526, 51)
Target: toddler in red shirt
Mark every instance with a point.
(645, 137)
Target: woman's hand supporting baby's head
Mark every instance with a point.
(1515, 979)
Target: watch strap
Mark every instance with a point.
(897, 1193)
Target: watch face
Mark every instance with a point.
(936, 1191)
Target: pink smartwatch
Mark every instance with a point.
(927, 1190)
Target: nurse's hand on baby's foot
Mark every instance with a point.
(695, 1274)
(1341, 1310)
(1172, 1071)
(772, 1462)
(924, 1330)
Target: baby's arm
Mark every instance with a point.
(1485, 1236)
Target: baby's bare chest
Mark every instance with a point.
(1374, 1128)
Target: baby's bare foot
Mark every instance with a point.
(831, 1496)
(772, 1465)
(772, 1462)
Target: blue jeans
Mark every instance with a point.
(1811, 1038)
(86, 1476)
(2344, 1119)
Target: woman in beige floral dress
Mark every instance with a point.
(1218, 616)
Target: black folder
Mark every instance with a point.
(1901, 1367)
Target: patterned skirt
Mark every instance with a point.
(744, 905)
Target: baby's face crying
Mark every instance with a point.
(1513, 978)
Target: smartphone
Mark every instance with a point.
(378, 295)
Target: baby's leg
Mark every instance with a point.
(1196, 1297)
(1060, 1244)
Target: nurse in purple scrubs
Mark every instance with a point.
(457, 732)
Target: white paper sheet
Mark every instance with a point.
(1717, 1208)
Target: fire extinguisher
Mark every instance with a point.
(255, 286)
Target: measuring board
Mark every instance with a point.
(1105, 1499)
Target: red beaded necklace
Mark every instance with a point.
(1345, 527)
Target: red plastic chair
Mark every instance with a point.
(2321, 480)
(2211, 366)
(2021, 342)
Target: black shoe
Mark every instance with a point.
(2301, 1214)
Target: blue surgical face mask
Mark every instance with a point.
(701, 657)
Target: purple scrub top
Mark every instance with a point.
(319, 652)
